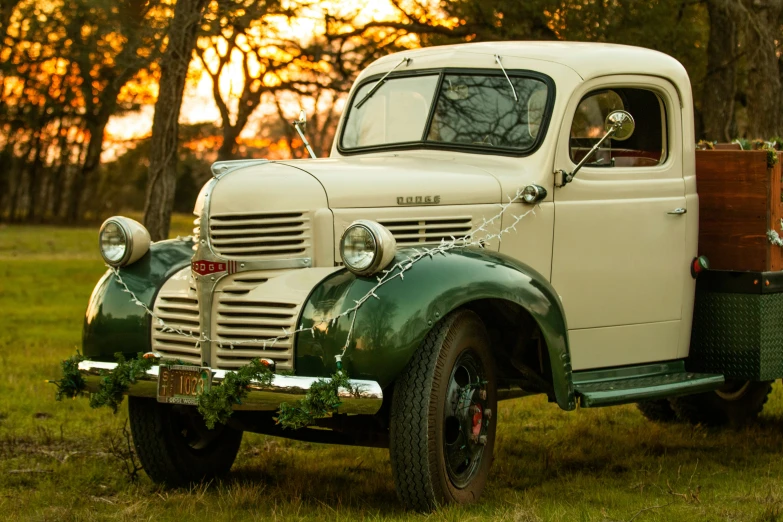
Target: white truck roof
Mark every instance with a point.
(588, 60)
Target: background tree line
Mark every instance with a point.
(68, 67)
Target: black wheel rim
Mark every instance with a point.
(465, 420)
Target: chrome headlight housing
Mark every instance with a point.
(122, 241)
(367, 247)
(533, 194)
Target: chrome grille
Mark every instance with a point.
(242, 284)
(240, 319)
(247, 308)
(178, 310)
(267, 236)
(413, 231)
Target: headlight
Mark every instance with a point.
(123, 241)
(367, 247)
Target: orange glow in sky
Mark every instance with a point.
(199, 105)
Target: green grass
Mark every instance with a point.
(48, 242)
(56, 461)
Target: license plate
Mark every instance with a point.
(180, 384)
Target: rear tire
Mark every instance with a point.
(443, 418)
(736, 403)
(659, 410)
(175, 447)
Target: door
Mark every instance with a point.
(619, 260)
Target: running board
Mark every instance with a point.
(608, 387)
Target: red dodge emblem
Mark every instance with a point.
(207, 267)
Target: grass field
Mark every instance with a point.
(64, 461)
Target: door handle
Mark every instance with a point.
(678, 211)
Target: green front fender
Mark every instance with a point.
(389, 329)
(113, 322)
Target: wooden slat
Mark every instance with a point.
(775, 258)
(738, 198)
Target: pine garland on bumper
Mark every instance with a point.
(322, 399)
(72, 384)
(215, 405)
(113, 385)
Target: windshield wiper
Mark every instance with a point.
(513, 90)
(378, 85)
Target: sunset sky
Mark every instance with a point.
(199, 105)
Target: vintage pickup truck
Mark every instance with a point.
(541, 200)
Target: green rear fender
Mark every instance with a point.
(113, 322)
(389, 329)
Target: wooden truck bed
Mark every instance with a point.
(739, 201)
(738, 314)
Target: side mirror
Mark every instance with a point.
(619, 125)
(302, 121)
(300, 126)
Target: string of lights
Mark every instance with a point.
(478, 237)
(774, 237)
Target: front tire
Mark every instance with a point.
(736, 403)
(174, 445)
(442, 432)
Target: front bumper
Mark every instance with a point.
(365, 398)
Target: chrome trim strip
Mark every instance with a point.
(270, 264)
(205, 285)
(365, 398)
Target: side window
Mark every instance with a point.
(645, 148)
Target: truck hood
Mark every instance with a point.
(273, 210)
(389, 181)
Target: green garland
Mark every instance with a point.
(171, 362)
(772, 156)
(216, 405)
(72, 384)
(771, 146)
(113, 386)
(322, 399)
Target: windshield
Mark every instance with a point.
(470, 111)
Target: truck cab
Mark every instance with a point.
(494, 220)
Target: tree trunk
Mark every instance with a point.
(91, 161)
(58, 175)
(16, 195)
(162, 179)
(228, 149)
(6, 158)
(764, 88)
(720, 82)
(19, 166)
(59, 200)
(34, 180)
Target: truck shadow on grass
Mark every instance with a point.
(617, 444)
(608, 449)
(609, 457)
